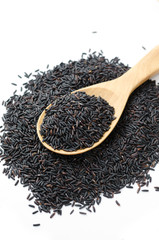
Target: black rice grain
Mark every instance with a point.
(129, 186)
(117, 203)
(83, 213)
(16, 183)
(35, 212)
(71, 211)
(36, 225)
(31, 198)
(32, 206)
(94, 210)
(52, 215)
(156, 189)
(28, 196)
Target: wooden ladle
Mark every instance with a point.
(116, 92)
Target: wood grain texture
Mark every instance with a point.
(116, 93)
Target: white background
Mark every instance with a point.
(34, 33)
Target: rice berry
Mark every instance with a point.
(126, 157)
(76, 121)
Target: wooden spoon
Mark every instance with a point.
(116, 93)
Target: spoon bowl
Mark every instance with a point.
(116, 92)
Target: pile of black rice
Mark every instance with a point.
(123, 159)
(76, 121)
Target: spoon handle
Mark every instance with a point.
(142, 71)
